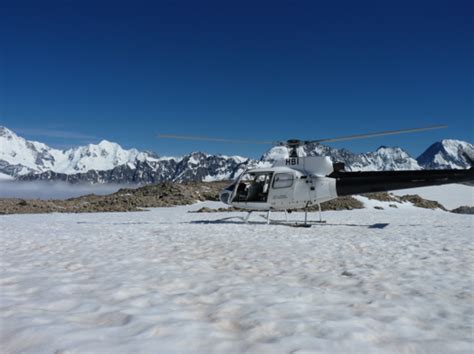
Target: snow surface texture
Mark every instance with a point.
(164, 281)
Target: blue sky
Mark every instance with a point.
(74, 72)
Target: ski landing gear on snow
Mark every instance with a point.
(306, 223)
(269, 221)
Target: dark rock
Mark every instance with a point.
(218, 210)
(341, 203)
(150, 196)
(419, 202)
(464, 210)
(382, 196)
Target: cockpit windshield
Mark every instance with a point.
(253, 187)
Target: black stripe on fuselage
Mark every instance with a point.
(348, 183)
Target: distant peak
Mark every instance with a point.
(447, 145)
(389, 148)
(151, 154)
(4, 131)
(104, 144)
(452, 142)
(199, 153)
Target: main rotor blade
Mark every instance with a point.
(220, 140)
(371, 135)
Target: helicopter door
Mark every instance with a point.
(253, 187)
(282, 189)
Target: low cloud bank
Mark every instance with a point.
(54, 190)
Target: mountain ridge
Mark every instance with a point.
(108, 162)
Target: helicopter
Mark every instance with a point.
(298, 182)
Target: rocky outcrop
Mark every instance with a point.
(127, 199)
(464, 210)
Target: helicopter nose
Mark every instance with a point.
(224, 196)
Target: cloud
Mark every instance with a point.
(54, 190)
(51, 133)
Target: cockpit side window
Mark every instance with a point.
(283, 180)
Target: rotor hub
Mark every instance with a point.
(294, 142)
(293, 145)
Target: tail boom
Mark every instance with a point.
(349, 183)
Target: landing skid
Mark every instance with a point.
(240, 220)
(266, 217)
(306, 223)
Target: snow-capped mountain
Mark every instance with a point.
(19, 156)
(26, 157)
(447, 153)
(193, 167)
(108, 162)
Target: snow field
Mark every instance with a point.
(164, 281)
(450, 196)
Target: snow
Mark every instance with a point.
(276, 153)
(447, 153)
(18, 151)
(387, 158)
(193, 160)
(452, 146)
(236, 158)
(167, 281)
(101, 157)
(170, 158)
(217, 177)
(450, 196)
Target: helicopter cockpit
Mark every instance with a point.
(253, 187)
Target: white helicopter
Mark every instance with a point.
(298, 182)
